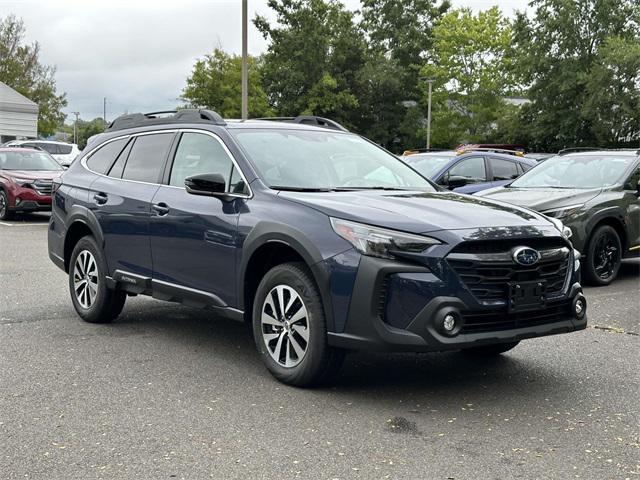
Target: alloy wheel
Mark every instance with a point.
(606, 255)
(85, 279)
(285, 326)
(3, 205)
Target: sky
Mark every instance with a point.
(139, 53)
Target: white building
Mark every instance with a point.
(18, 115)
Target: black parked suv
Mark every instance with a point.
(322, 240)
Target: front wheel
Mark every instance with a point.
(93, 301)
(603, 256)
(289, 327)
(5, 213)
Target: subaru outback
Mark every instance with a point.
(319, 238)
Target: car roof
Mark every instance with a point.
(20, 149)
(55, 142)
(453, 155)
(598, 153)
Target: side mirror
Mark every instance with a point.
(456, 181)
(211, 184)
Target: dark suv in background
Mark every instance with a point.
(322, 240)
(595, 193)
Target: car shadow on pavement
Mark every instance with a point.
(30, 218)
(362, 375)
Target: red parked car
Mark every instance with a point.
(26, 180)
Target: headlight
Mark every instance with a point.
(566, 231)
(563, 211)
(22, 181)
(380, 242)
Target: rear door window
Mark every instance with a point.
(503, 169)
(147, 158)
(101, 160)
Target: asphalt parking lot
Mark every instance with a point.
(170, 392)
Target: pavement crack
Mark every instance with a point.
(607, 328)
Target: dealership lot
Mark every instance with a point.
(169, 392)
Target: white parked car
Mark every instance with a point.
(64, 153)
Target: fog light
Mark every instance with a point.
(18, 200)
(579, 306)
(449, 323)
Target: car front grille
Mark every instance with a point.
(488, 269)
(43, 187)
(495, 320)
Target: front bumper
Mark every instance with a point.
(396, 306)
(29, 200)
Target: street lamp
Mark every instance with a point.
(75, 124)
(430, 82)
(245, 72)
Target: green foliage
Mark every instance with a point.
(402, 28)
(472, 72)
(20, 69)
(84, 130)
(313, 59)
(215, 83)
(581, 62)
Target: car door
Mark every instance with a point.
(122, 202)
(631, 205)
(502, 171)
(468, 175)
(193, 238)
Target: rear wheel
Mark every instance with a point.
(603, 256)
(93, 301)
(289, 327)
(5, 213)
(491, 350)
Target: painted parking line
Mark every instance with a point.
(24, 224)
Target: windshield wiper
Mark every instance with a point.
(299, 189)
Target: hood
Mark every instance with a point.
(418, 212)
(33, 174)
(541, 199)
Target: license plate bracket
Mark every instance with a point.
(526, 296)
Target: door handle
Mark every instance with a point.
(161, 209)
(100, 198)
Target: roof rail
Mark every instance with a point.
(413, 151)
(506, 151)
(188, 115)
(308, 120)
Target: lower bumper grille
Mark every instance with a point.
(476, 322)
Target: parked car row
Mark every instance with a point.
(64, 153)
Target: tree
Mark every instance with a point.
(313, 59)
(472, 72)
(20, 69)
(215, 83)
(580, 59)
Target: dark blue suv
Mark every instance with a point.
(322, 240)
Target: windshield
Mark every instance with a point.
(13, 160)
(576, 171)
(325, 160)
(429, 164)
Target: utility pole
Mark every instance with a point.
(430, 82)
(245, 70)
(104, 109)
(75, 124)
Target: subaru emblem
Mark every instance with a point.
(526, 256)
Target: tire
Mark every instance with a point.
(490, 350)
(5, 213)
(280, 339)
(88, 267)
(603, 256)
